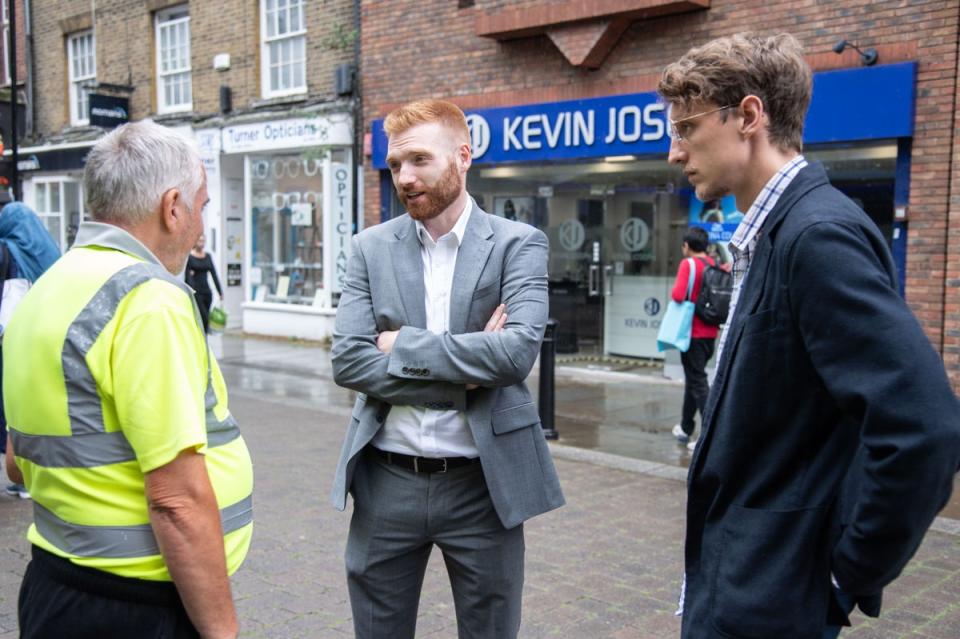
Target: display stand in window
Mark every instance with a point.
(287, 227)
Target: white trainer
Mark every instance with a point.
(681, 436)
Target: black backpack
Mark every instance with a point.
(713, 302)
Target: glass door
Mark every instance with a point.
(576, 232)
(644, 232)
(614, 228)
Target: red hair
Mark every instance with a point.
(426, 111)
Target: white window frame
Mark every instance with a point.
(165, 20)
(59, 182)
(78, 91)
(5, 34)
(289, 36)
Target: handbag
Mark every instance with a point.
(218, 319)
(677, 323)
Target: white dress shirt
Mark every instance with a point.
(425, 432)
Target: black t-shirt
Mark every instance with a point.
(196, 274)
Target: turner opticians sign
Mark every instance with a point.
(636, 124)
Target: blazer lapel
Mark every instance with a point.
(806, 180)
(408, 269)
(750, 296)
(471, 258)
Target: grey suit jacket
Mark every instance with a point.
(498, 261)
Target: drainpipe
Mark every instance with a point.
(357, 117)
(12, 65)
(28, 53)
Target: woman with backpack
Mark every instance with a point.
(26, 251)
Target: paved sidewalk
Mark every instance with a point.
(607, 565)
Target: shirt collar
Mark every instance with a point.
(458, 230)
(769, 195)
(113, 237)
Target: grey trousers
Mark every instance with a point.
(398, 516)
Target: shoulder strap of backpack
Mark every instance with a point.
(691, 277)
(5, 259)
(4, 267)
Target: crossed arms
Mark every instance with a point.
(500, 355)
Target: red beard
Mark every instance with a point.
(436, 199)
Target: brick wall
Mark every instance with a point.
(21, 43)
(412, 50)
(126, 53)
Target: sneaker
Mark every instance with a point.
(17, 490)
(681, 436)
(692, 446)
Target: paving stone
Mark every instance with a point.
(606, 566)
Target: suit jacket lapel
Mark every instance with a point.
(408, 269)
(471, 258)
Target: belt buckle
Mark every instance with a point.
(444, 465)
(416, 465)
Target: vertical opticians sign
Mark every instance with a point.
(341, 225)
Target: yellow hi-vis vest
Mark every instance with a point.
(107, 376)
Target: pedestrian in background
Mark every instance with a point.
(26, 251)
(831, 435)
(199, 267)
(445, 446)
(702, 336)
(141, 481)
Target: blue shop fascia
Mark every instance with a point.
(592, 174)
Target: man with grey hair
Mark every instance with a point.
(141, 481)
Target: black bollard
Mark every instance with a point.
(547, 355)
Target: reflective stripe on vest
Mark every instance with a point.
(118, 542)
(89, 445)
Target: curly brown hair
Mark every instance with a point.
(726, 70)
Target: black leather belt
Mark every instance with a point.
(424, 464)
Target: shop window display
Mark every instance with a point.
(287, 228)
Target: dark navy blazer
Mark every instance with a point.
(831, 435)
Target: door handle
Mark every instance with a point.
(593, 281)
(607, 280)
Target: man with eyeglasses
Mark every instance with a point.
(831, 434)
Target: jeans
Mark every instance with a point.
(695, 386)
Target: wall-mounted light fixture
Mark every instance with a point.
(868, 56)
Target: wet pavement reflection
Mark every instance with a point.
(627, 414)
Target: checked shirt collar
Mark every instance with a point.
(744, 240)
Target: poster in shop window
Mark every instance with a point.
(719, 218)
(514, 207)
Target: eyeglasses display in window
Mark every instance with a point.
(287, 227)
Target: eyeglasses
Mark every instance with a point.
(675, 133)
